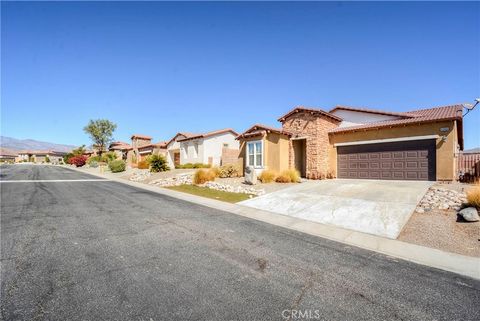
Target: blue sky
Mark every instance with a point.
(158, 68)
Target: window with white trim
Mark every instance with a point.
(255, 154)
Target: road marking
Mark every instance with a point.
(56, 180)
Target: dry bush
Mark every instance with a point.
(202, 176)
(293, 174)
(267, 176)
(143, 164)
(473, 196)
(282, 178)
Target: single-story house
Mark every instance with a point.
(206, 148)
(7, 155)
(41, 156)
(142, 146)
(120, 149)
(350, 142)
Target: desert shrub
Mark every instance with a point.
(47, 159)
(203, 175)
(117, 166)
(282, 178)
(293, 174)
(473, 196)
(78, 161)
(93, 159)
(201, 165)
(267, 176)
(143, 164)
(93, 164)
(158, 163)
(230, 170)
(108, 157)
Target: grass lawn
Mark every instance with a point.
(211, 193)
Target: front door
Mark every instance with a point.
(299, 150)
(176, 158)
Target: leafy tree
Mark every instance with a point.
(101, 132)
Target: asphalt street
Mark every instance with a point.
(91, 249)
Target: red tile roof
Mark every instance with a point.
(259, 129)
(8, 152)
(186, 134)
(209, 134)
(313, 111)
(157, 145)
(373, 111)
(453, 112)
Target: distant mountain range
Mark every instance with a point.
(21, 144)
(473, 150)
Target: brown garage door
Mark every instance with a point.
(411, 160)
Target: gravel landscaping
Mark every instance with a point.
(436, 224)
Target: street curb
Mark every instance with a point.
(452, 262)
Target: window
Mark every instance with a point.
(255, 154)
(225, 145)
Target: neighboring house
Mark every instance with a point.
(7, 155)
(349, 142)
(142, 146)
(121, 149)
(40, 156)
(207, 148)
(173, 148)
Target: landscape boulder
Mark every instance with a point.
(250, 175)
(470, 214)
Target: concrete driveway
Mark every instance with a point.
(370, 206)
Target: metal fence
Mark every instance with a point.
(469, 167)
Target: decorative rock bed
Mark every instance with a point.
(441, 198)
(233, 189)
(173, 181)
(140, 175)
(187, 179)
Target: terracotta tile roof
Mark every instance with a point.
(209, 134)
(314, 111)
(259, 129)
(141, 136)
(373, 111)
(119, 146)
(8, 152)
(453, 112)
(186, 134)
(41, 152)
(158, 145)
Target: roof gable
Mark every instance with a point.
(312, 111)
(259, 129)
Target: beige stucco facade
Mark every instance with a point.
(275, 151)
(446, 149)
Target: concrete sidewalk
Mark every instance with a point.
(464, 265)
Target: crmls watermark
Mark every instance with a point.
(307, 314)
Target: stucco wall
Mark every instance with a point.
(352, 118)
(446, 150)
(213, 146)
(277, 151)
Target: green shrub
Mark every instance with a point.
(201, 165)
(47, 159)
(143, 164)
(93, 164)
(267, 176)
(108, 157)
(93, 159)
(230, 170)
(203, 175)
(158, 163)
(117, 166)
